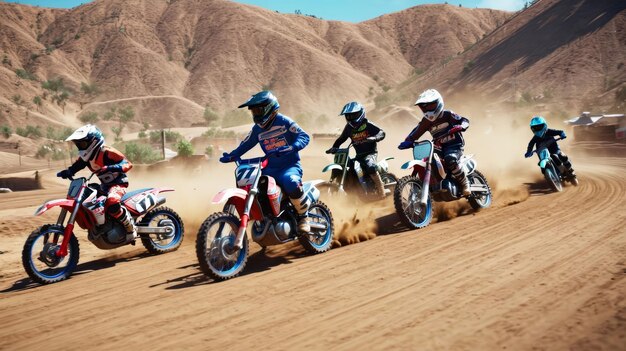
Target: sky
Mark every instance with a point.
(342, 10)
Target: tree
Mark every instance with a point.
(122, 116)
(5, 131)
(89, 117)
(209, 115)
(37, 101)
(185, 149)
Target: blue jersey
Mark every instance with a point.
(282, 132)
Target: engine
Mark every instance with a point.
(108, 236)
(273, 232)
(446, 190)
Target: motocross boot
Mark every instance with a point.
(127, 221)
(380, 186)
(461, 178)
(302, 205)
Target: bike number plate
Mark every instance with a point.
(245, 174)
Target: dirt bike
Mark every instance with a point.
(552, 168)
(347, 174)
(51, 251)
(429, 182)
(222, 244)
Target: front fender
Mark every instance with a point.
(226, 194)
(67, 204)
(414, 163)
(332, 166)
(543, 163)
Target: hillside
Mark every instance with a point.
(216, 53)
(568, 55)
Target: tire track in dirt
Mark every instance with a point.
(510, 276)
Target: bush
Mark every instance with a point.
(29, 132)
(170, 136)
(184, 148)
(142, 135)
(236, 118)
(209, 151)
(89, 117)
(5, 131)
(50, 152)
(141, 153)
(218, 133)
(209, 115)
(58, 134)
(24, 74)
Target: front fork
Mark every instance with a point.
(69, 227)
(425, 189)
(243, 225)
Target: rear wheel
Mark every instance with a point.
(390, 180)
(479, 200)
(215, 249)
(406, 199)
(163, 217)
(39, 255)
(322, 229)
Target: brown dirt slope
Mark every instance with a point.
(217, 52)
(565, 52)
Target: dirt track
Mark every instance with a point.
(547, 273)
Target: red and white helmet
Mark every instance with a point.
(431, 104)
(89, 140)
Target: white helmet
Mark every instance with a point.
(88, 139)
(431, 104)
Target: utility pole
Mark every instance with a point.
(163, 142)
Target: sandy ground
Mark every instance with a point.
(537, 271)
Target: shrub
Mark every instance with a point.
(184, 148)
(24, 74)
(50, 152)
(209, 151)
(29, 132)
(141, 153)
(170, 136)
(58, 134)
(5, 131)
(89, 117)
(218, 133)
(236, 118)
(209, 115)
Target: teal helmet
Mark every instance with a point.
(354, 113)
(538, 126)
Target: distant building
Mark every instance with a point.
(589, 127)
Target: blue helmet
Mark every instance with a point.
(262, 105)
(89, 140)
(539, 126)
(354, 113)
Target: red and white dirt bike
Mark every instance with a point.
(51, 251)
(222, 243)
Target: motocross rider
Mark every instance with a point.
(544, 137)
(279, 136)
(364, 135)
(445, 127)
(111, 167)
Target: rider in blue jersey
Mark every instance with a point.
(281, 137)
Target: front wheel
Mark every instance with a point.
(406, 200)
(552, 178)
(322, 229)
(163, 242)
(479, 200)
(215, 249)
(39, 255)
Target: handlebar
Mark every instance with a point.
(549, 141)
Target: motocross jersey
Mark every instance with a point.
(282, 132)
(545, 141)
(359, 137)
(116, 162)
(440, 127)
